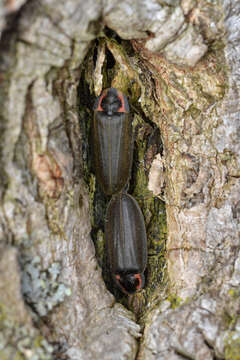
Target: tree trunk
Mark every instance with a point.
(178, 63)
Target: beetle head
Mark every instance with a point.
(129, 282)
(112, 101)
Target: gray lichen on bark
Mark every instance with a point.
(203, 240)
(41, 209)
(183, 72)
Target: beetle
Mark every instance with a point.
(126, 242)
(112, 140)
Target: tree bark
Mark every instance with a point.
(178, 62)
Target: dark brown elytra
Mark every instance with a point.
(126, 242)
(112, 141)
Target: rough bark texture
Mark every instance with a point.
(179, 64)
